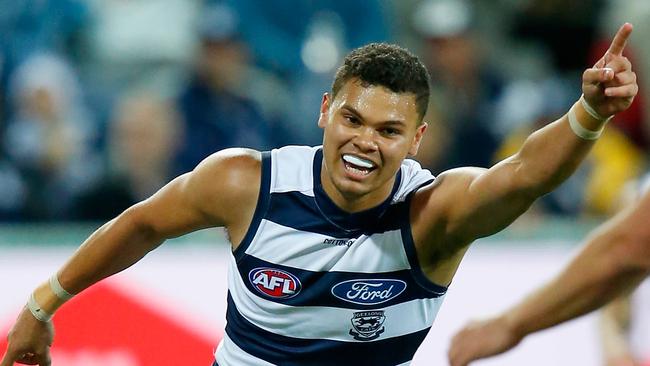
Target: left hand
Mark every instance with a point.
(481, 339)
(610, 86)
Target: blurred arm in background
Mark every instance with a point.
(614, 260)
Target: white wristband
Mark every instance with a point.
(37, 311)
(592, 112)
(58, 290)
(580, 131)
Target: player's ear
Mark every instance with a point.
(417, 139)
(324, 110)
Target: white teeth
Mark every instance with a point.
(358, 161)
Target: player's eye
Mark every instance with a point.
(353, 120)
(390, 131)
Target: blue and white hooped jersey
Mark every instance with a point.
(311, 284)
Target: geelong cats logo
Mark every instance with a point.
(275, 283)
(367, 291)
(367, 325)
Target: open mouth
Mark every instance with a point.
(358, 166)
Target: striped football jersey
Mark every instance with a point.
(311, 284)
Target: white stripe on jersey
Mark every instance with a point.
(308, 252)
(307, 321)
(301, 178)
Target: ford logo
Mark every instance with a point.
(368, 291)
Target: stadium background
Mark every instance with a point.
(103, 101)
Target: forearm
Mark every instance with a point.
(114, 247)
(596, 276)
(551, 154)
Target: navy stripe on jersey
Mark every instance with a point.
(261, 208)
(301, 212)
(362, 221)
(316, 287)
(289, 351)
(411, 253)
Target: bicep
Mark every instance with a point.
(488, 200)
(172, 211)
(216, 193)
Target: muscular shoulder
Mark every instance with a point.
(445, 191)
(436, 209)
(438, 244)
(226, 184)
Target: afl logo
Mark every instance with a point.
(368, 291)
(275, 283)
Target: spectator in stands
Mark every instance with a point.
(143, 140)
(30, 27)
(464, 87)
(277, 31)
(139, 44)
(49, 138)
(12, 199)
(215, 111)
(561, 28)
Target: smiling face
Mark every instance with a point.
(368, 131)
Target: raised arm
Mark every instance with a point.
(484, 201)
(221, 191)
(615, 259)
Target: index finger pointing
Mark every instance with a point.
(620, 39)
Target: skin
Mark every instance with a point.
(370, 122)
(614, 321)
(614, 260)
(373, 123)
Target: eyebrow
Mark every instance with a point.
(358, 115)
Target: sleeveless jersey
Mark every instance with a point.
(311, 284)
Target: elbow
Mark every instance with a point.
(136, 220)
(642, 258)
(632, 254)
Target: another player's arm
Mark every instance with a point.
(614, 260)
(614, 318)
(221, 191)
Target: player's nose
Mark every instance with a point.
(366, 140)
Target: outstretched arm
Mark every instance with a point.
(615, 259)
(221, 191)
(485, 201)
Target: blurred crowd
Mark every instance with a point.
(104, 101)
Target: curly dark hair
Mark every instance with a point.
(388, 65)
